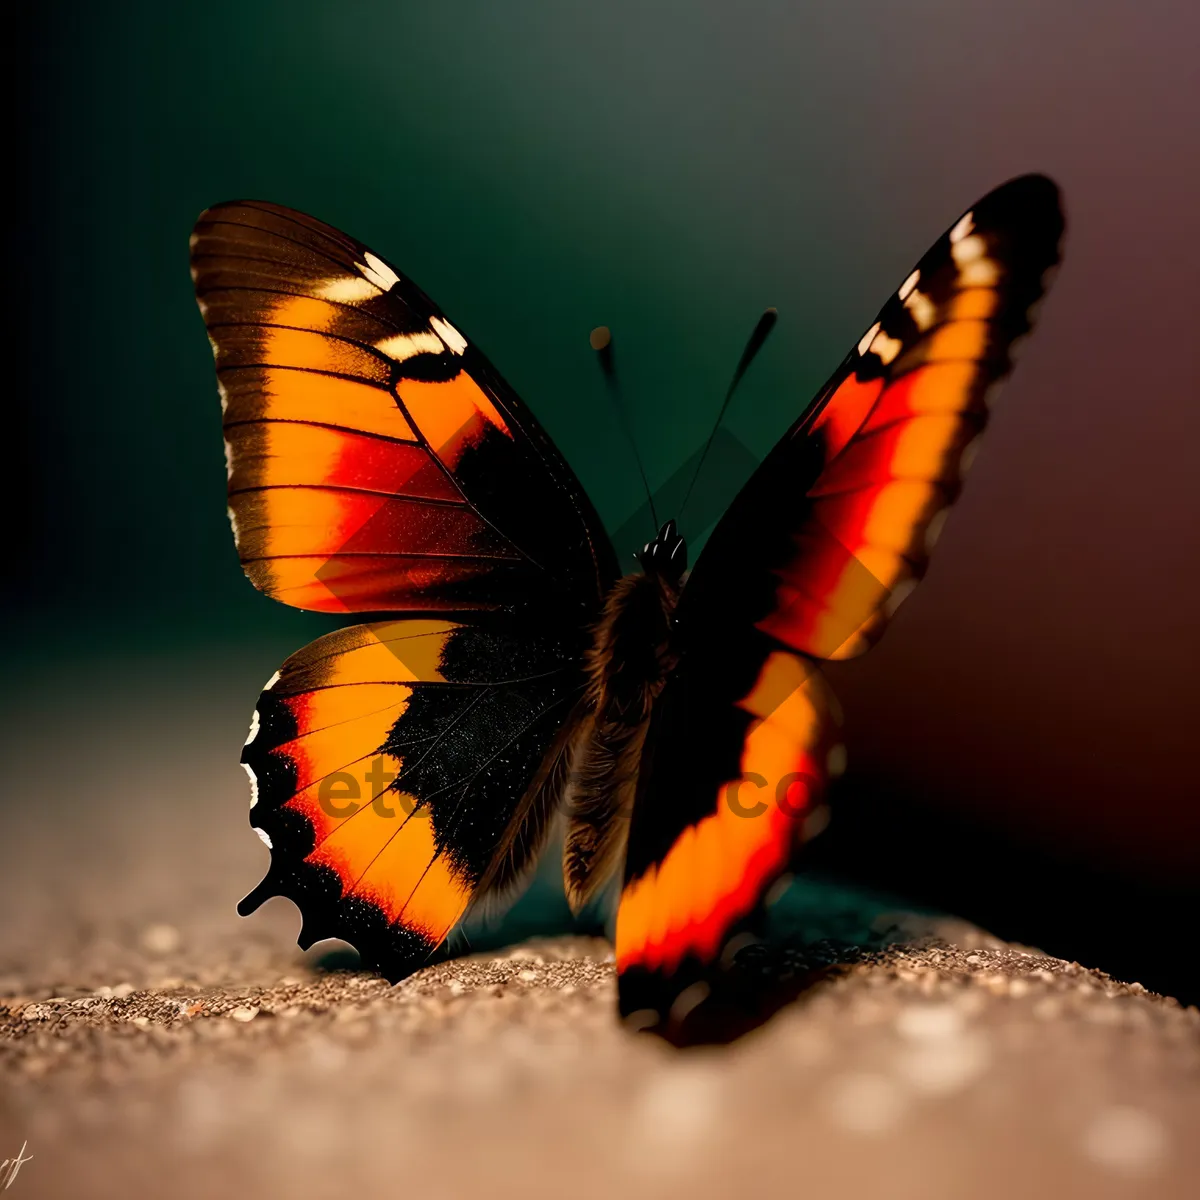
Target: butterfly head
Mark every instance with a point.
(666, 555)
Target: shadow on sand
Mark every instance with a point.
(817, 926)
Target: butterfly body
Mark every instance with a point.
(633, 652)
(407, 767)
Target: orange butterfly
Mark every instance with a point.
(406, 767)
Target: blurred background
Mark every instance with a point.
(1022, 744)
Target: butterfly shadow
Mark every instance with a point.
(815, 927)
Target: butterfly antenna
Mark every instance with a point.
(757, 338)
(602, 343)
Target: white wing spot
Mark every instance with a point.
(262, 837)
(347, 289)
(378, 272)
(965, 226)
(886, 347)
(922, 309)
(224, 395)
(455, 342)
(272, 682)
(968, 250)
(228, 459)
(232, 522)
(255, 725)
(402, 346)
(907, 286)
(253, 783)
(867, 338)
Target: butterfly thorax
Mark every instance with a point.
(633, 649)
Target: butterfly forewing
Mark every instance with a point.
(836, 527)
(377, 462)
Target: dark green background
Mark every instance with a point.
(668, 170)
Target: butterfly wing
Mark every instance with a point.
(835, 528)
(810, 560)
(377, 462)
(400, 768)
(739, 751)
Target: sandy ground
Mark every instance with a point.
(154, 1044)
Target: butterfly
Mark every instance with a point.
(407, 767)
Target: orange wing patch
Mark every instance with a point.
(289, 394)
(275, 454)
(453, 415)
(714, 874)
(377, 462)
(871, 509)
(894, 430)
(388, 762)
(824, 541)
(351, 410)
(343, 696)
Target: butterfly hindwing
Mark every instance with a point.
(394, 764)
(740, 752)
(813, 556)
(377, 462)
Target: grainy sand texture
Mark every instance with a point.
(154, 1044)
